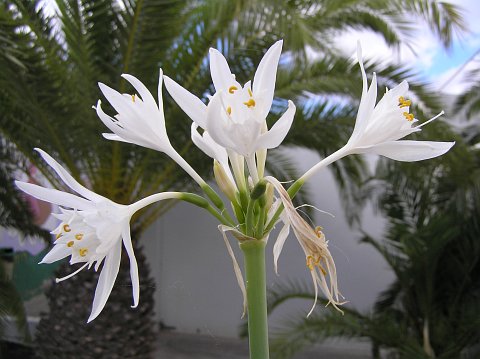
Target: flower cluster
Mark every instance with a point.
(231, 129)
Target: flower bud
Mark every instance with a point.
(225, 184)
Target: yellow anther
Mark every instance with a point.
(83, 252)
(133, 98)
(58, 236)
(229, 110)
(232, 89)
(309, 262)
(250, 103)
(318, 231)
(66, 228)
(79, 236)
(70, 244)
(409, 116)
(402, 102)
(250, 92)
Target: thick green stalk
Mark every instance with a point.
(254, 256)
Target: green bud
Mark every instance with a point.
(258, 190)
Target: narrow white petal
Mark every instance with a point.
(265, 76)
(54, 196)
(221, 75)
(127, 242)
(189, 103)
(411, 151)
(214, 124)
(106, 280)
(142, 90)
(274, 137)
(59, 251)
(67, 178)
(114, 137)
(278, 246)
(238, 273)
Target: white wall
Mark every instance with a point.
(196, 285)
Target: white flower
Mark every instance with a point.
(235, 118)
(92, 230)
(139, 120)
(379, 127)
(318, 258)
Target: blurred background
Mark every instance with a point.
(405, 236)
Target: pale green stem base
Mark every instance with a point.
(254, 255)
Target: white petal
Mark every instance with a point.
(114, 137)
(265, 76)
(67, 178)
(214, 124)
(189, 103)
(127, 242)
(120, 103)
(146, 96)
(274, 137)
(54, 196)
(106, 280)
(59, 251)
(278, 246)
(411, 151)
(221, 75)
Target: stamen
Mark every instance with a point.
(318, 231)
(409, 116)
(250, 92)
(58, 236)
(229, 110)
(71, 274)
(312, 263)
(70, 244)
(66, 228)
(83, 252)
(250, 103)
(133, 98)
(402, 102)
(79, 236)
(232, 89)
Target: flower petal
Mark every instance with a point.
(274, 137)
(411, 151)
(278, 246)
(54, 196)
(238, 273)
(189, 103)
(115, 137)
(106, 281)
(142, 90)
(221, 75)
(127, 242)
(265, 76)
(59, 251)
(67, 178)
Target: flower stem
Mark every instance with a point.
(254, 256)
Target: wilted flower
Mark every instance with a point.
(318, 258)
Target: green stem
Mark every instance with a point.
(254, 256)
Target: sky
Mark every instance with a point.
(433, 63)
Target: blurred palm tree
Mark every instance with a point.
(52, 62)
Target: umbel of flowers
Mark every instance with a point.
(232, 130)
